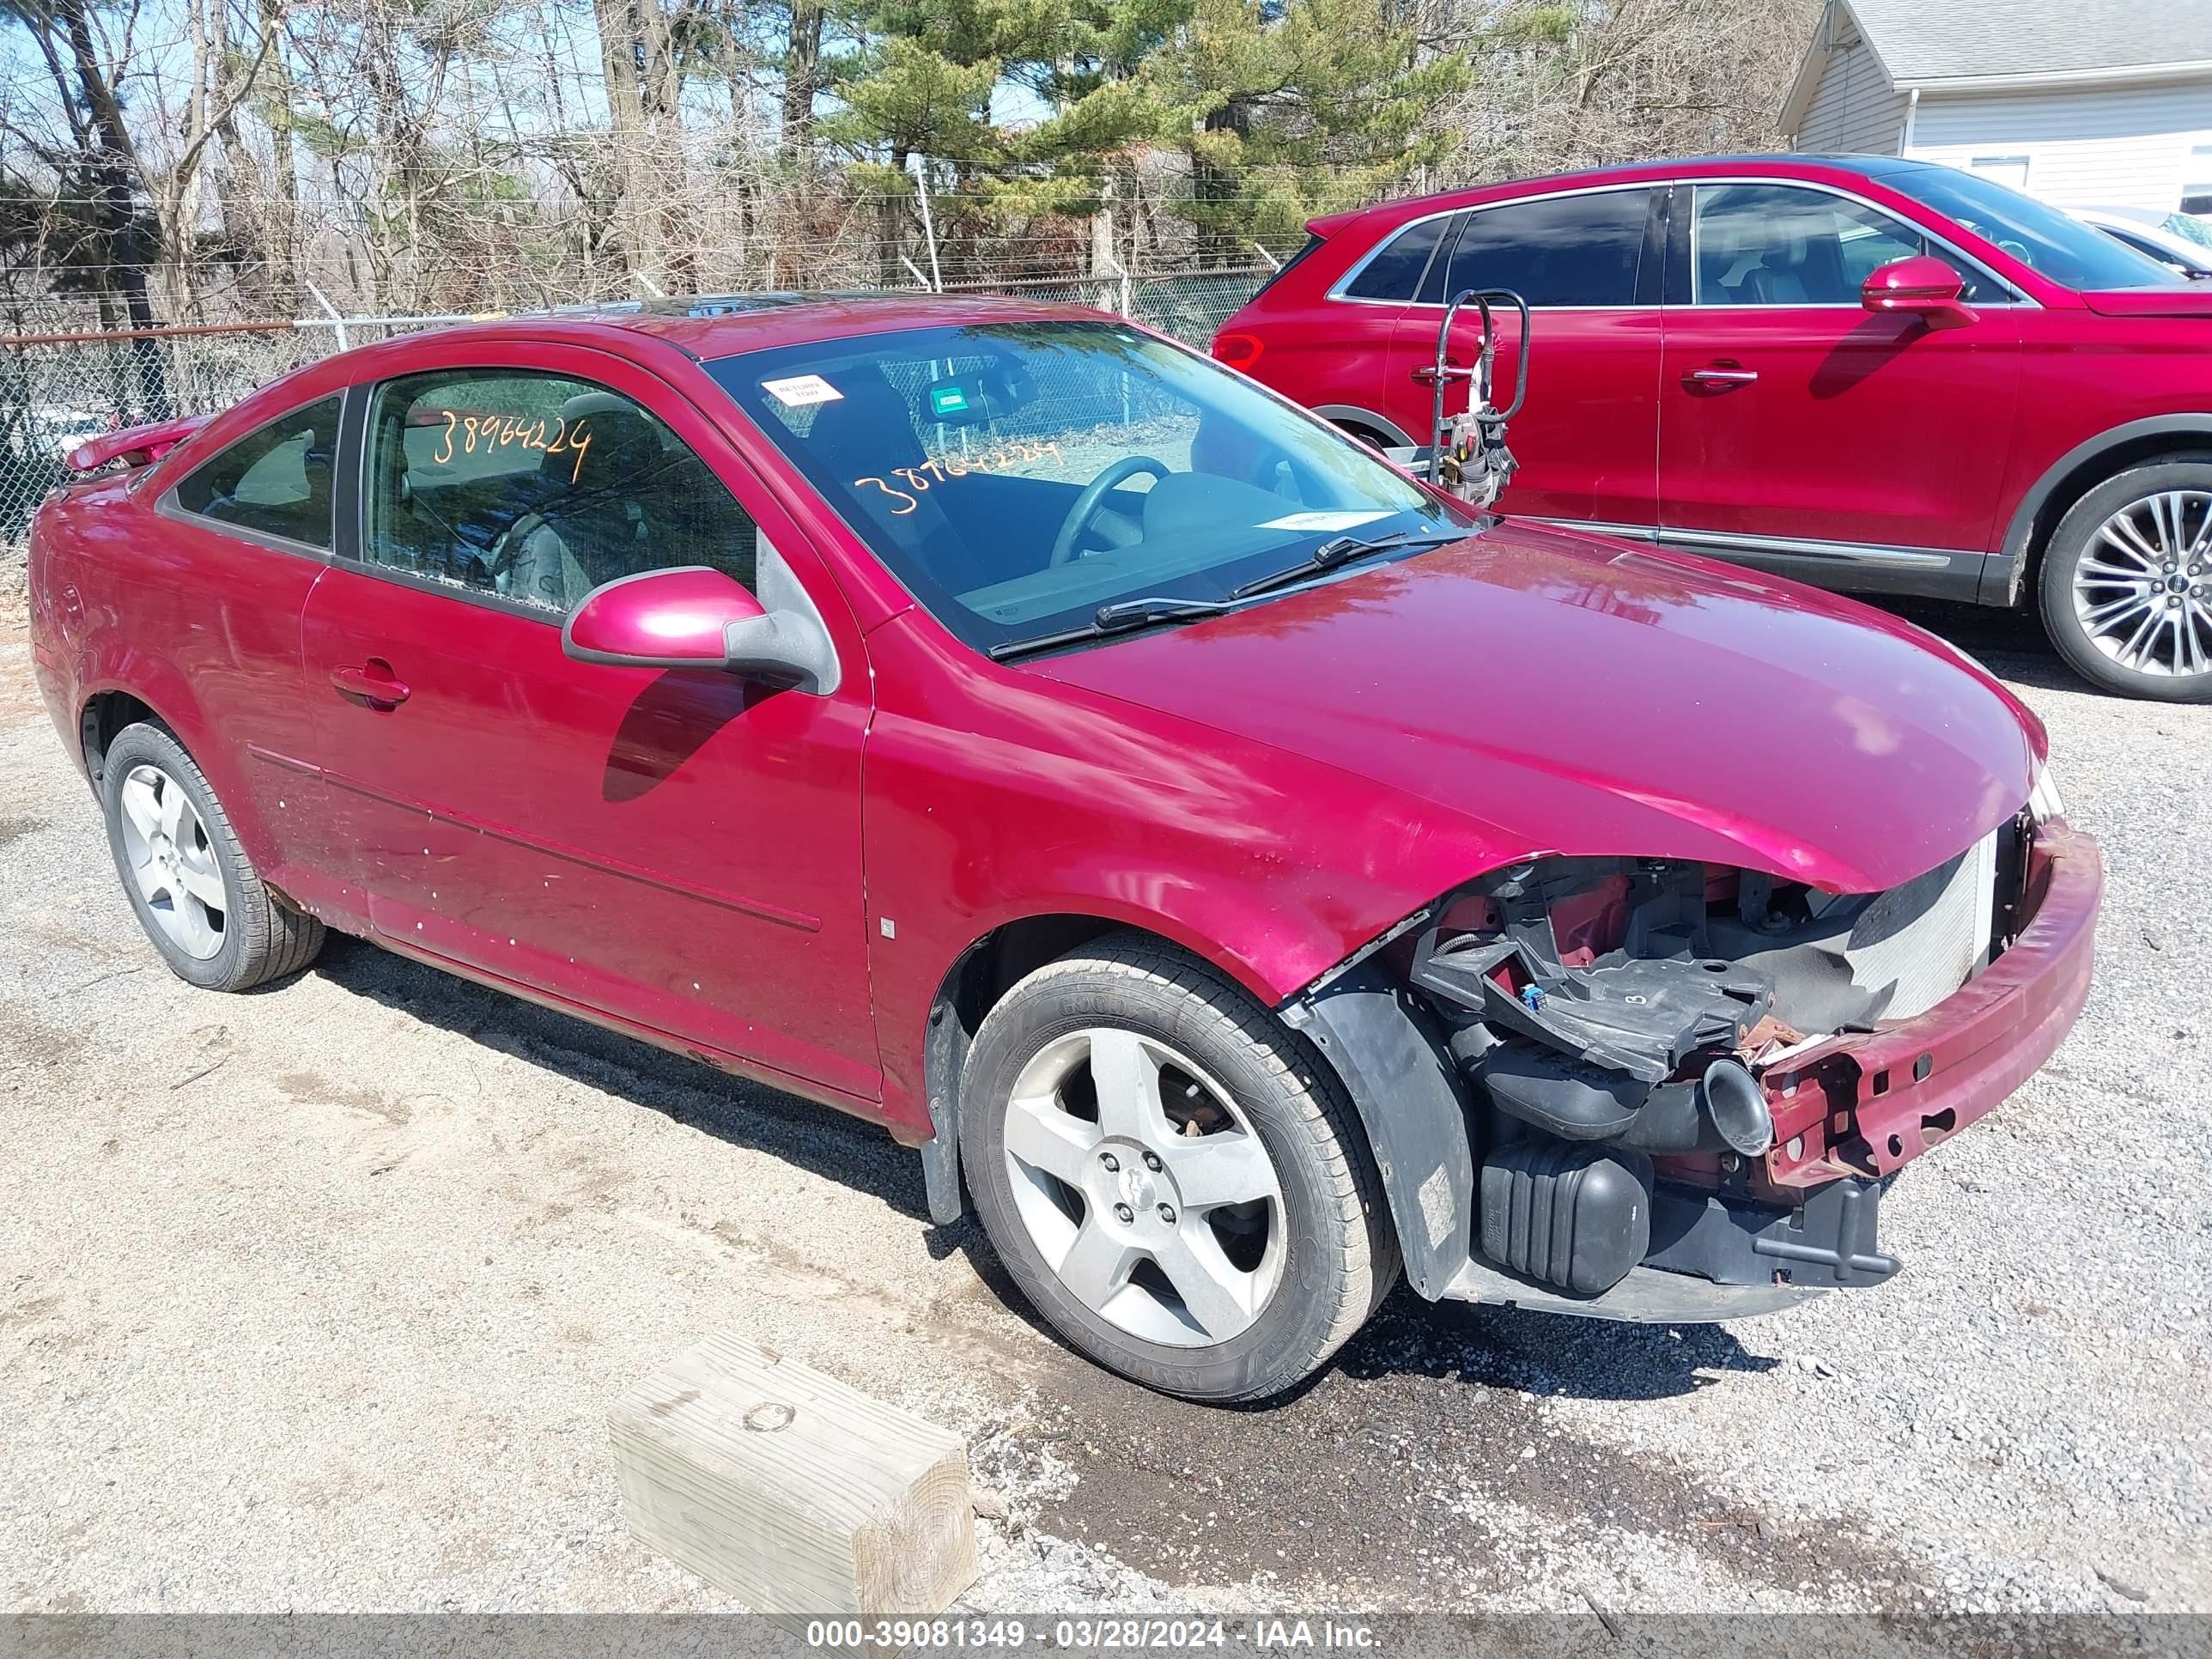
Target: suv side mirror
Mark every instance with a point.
(691, 617)
(1921, 286)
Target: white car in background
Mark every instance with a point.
(2180, 241)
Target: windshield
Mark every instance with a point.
(2189, 229)
(1017, 476)
(2056, 244)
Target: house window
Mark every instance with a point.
(2196, 183)
(2001, 169)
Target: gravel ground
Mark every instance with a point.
(315, 1299)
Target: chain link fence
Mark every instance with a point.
(57, 391)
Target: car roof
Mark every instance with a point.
(2172, 245)
(1818, 168)
(708, 326)
(703, 327)
(2131, 215)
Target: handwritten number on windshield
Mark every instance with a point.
(942, 468)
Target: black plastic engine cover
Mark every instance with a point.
(1576, 1217)
(1641, 1016)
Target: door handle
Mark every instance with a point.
(1720, 377)
(373, 682)
(1426, 374)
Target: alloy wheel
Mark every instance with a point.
(2143, 588)
(169, 858)
(1145, 1187)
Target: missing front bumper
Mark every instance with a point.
(1730, 1236)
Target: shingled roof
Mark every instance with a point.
(1920, 43)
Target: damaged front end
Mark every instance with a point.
(1658, 1090)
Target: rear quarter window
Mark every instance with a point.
(1394, 270)
(275, 481)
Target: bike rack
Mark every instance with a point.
(1450, 454)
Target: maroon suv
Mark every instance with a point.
(1866, 373)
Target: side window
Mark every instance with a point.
(2196, 183)
(276, 480)
(1563, 251)
(1433, 285)
(538, 488)
(1394, 272)
(1773, 245)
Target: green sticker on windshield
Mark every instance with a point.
(947, 399)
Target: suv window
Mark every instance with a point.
(1776, 245)
(1394, 270)
(1581, 250)
(275, 481)
(538, 488)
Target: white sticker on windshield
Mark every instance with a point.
(1321, 520)
(801, 389)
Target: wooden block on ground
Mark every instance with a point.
(792, 1492)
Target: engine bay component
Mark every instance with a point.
(1851, 958)
(1576, 1217)
(1608, 1012)
(1616, 949)
(1827, 1241)
(1724, 1110)
(1642, 1018)
(1737, 1107)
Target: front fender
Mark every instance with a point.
(2067, 476)
(991, 797)
(1389, 1051)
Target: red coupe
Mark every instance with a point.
(1238, 868)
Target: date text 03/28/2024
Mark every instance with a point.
(1259, 1635)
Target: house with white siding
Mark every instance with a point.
(2085, 103)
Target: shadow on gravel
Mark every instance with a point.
(816, 1139)
(1542, 1352)
(1484, 1348)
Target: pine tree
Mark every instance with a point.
(1291, 108)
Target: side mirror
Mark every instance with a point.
(691, 617)
(1922, 286)
(676, 618)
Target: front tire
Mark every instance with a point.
(2127, 582)
(197, 896)
(1174, 1179)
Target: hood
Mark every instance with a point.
(2190, 299)
(1578, 696)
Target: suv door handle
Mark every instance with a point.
(1426, 374)
(1720, 377)
(373, 682)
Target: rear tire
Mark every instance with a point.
(1175, 1179)
(2126, 587)
(206, 909)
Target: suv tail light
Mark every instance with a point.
(1239, 351)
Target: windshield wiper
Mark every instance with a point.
(1340, 548)
(1119, 617)
(1148, 612)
